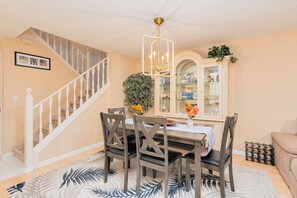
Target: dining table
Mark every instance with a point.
(182, 134)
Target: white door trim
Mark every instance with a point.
(1, 99)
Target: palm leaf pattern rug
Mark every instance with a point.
(84, 179)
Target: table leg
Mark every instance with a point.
(197, 169)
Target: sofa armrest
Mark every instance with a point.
(286, 140)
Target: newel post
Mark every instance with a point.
(29, 129)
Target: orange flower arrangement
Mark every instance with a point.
(136, 109)
(192, 111)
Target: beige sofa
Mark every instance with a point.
(285, 147)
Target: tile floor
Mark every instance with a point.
(10, 167)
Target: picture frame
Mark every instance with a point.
(32, 61)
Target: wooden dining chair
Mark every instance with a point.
(115, 146)
(218, 160)
(117, 110)
(130, 136)
(149, 153)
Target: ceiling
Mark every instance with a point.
(118, 25)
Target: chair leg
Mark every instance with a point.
(138, 179)
(154, 173)
(106, 168)
(126, 176)
(179, 172)
(231, 177)
(166, 183)
(222, 183)
(109, 161)
(143, 171)
(187, 174)
(129, 163)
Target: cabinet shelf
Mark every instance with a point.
(212, 83)
(187, 84)
(185, 99)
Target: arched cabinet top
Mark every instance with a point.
(187, 55)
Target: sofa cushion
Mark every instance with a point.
(294, 167)
(288, 141)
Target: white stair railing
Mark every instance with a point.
(67, 49)
(100, 81)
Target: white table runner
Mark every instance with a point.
(208, 131)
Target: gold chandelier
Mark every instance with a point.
(157, 53)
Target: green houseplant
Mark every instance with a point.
(138, 89)
(221, 52)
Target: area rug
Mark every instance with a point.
(84, 179)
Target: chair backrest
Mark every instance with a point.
(118, 110)
(228, 138)
(110, 126)
(147, 145)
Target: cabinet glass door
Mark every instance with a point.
(164, 94)
(186, 85)
(212, 91)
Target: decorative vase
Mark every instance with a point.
(190, 123)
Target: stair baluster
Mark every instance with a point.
(67, 101)
(102, 70)
(72, 56)
(82, 63)
(50, 114)
(40, 122)
(60, 52)
(59, 108)
(98, 67)
(55, 47)
(67, 57)
(93, 81)
(88, 76)
(81, 87)
(77, 61)
(74, 96)
(47, 39)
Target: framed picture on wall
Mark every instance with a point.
(32, 61)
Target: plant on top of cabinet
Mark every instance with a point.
(221, 52)
(138, 89)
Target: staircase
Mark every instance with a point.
(45, 120)
(67, 50)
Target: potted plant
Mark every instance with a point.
(138, 89)
(220, 53)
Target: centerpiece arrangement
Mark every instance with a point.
(136, 109)
(192, 111)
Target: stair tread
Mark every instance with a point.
(19, 149)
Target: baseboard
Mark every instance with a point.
(239, 152)
(70, 154)
(7, 155)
